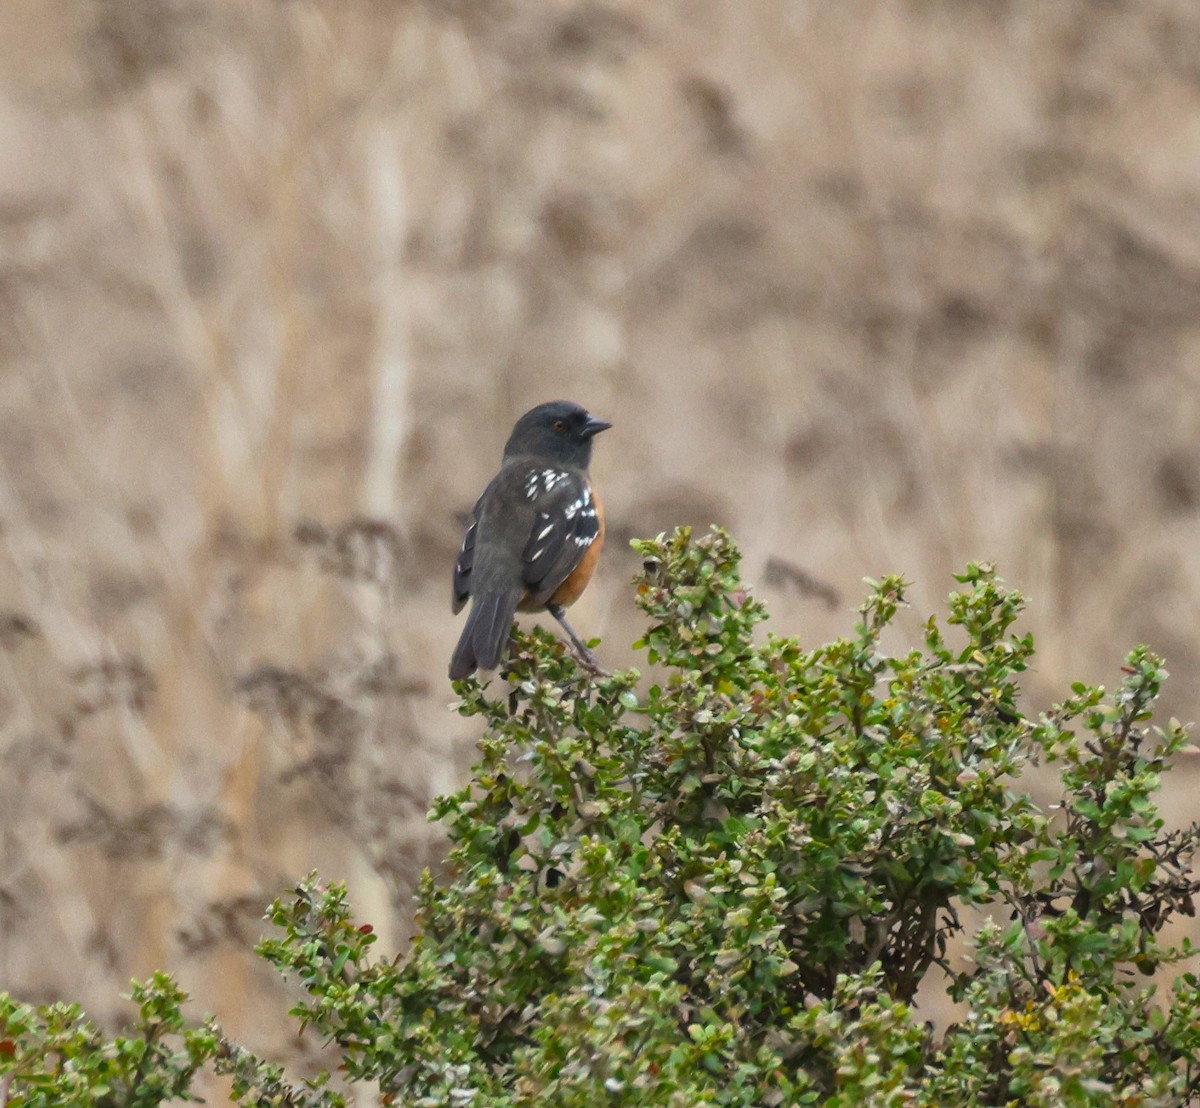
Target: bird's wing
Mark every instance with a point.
(565, 524)
(465, 561)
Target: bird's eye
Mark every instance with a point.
(559, 426)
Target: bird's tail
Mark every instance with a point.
(485, 634)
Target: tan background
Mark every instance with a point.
(880, 285)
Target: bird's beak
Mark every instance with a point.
(594, 426)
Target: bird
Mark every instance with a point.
(534, 536)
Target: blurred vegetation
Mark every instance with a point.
(729, 888)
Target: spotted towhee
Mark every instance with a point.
(534, 537)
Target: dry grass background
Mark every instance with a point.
(880, 285)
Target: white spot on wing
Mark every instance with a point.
(545, 531)
(580, 504)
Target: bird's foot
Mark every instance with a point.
(588, 660)
(585, 656)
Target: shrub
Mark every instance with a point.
(728, 890)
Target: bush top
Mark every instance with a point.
(726, 886)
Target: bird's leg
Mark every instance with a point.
(585, 655)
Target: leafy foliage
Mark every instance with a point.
(52, 1056)
(727, 890)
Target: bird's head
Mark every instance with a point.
(560, 430)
